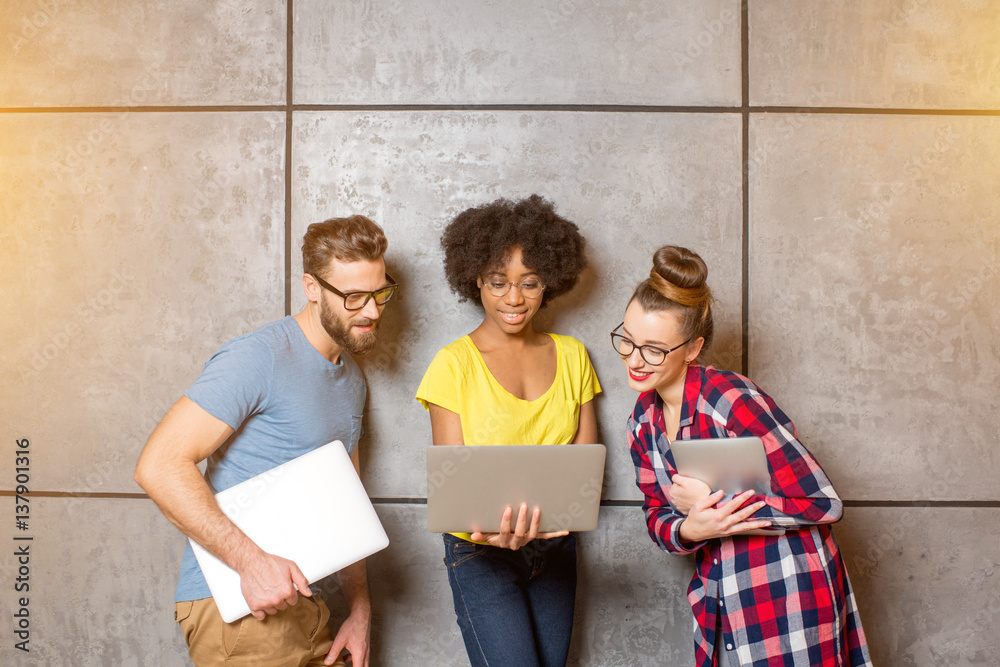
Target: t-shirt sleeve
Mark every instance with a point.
(589, 386)
(235, 382)
(440, 383)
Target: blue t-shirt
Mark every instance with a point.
(283, 398)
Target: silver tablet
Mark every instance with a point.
(469, 487)
(734, 465)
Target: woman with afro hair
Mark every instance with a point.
(507, 384)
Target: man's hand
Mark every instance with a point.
(269, 584)
(355, 636)
(706, 522)
(686, 491)
(522, 533)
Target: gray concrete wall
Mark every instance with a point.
(160, 161)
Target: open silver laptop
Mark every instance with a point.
(469, 487)
(312, 510)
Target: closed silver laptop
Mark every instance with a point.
(312, 510)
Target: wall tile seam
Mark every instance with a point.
(387, 108)
(408, 108)
(745, 110)
(872, 111)
(608, 502)
(145, 109)
(288, 166)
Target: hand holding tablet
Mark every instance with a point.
(729, 465)
(707, 520)
(733, 465)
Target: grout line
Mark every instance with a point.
(93, 495)
(745, 149)
(591, 108)
(399, 501)
(289, 43)
(157, 109)
(621, 503)
(409, 500)
(860, 111)
(619, 108)
(964, 504)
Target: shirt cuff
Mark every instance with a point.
(680, 546)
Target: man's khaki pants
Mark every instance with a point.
(295, 636)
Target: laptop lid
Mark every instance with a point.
(469, 487)
(312, 510)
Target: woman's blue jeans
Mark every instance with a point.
(514, 607)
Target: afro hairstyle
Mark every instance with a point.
(481, 239)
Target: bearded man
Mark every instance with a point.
(263, 399)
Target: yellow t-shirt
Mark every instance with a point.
(459, 380)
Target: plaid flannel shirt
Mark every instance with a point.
(784, 600)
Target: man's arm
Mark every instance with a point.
(355, 633)
(168, 471)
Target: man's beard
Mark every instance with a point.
(340, 331)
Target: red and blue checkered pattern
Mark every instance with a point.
(785, 600)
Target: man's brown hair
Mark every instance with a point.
(352, 239)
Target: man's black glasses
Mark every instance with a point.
(358, 300)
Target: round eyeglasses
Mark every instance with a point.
(652, 355)
(358, 300)
(530, 288)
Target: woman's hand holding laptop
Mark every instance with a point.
(686, 491)
(705, 521)
(695, 499)
(522, 532)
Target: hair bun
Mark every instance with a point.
(680, 266)
(678, 283)
(681, 276)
